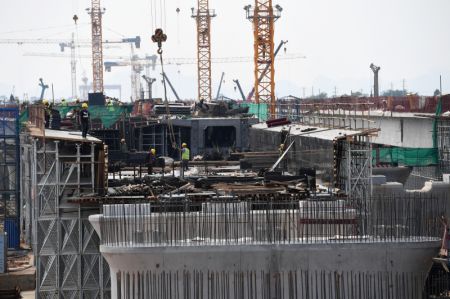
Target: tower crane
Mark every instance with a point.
(137, 64)
(203, 16)
(150, 82)
(64, 43)
(263, 16)
(97, 51)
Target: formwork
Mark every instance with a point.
(9, 175)
(66, 248)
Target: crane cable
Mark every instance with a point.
(166, 102)
(159, 37)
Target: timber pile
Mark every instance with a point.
(246, 189)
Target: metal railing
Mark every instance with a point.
(380, 219)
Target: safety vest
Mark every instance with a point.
(185, 154)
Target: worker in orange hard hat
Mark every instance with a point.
(151, 160)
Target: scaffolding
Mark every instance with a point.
(66, 248)
(9, 174)
(443, 143)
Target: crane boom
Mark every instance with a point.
(240, 89)
(261, 76)
(220, 85)
(171, 86)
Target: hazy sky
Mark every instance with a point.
(409, 39)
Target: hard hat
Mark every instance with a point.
(84, 105)
(282, 145)
(184, 144)
(153, 151)
(122, 140)
(45, 102)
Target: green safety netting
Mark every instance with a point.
(23, 118)
(259, 110)
(406, 156)
(108, 115)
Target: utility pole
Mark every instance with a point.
(375, 70)
(203, 17)
(263, 17)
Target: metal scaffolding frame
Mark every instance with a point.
(9, 171)
(344, 163)
(66, 248)
(353, 166)
(443, 143)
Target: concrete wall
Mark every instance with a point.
(417, 131)
(198, 126)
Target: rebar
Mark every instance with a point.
(413, 217)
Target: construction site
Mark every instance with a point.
(257, 196)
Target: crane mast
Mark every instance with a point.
(203, 17)
(263, 17)
(97, 50)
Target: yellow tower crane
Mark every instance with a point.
(203, 17)
(263, 16)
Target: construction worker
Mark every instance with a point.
(84, 119)
(46, 112)
(281, 149)
(123, 146)
(110, 105)
(76, 113)
(185, 156)
(151, 160)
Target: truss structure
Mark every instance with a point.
(97, 50)
(263, 18)
(203, 17)
(353, 166)
(66, 247)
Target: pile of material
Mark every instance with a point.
(257, 160)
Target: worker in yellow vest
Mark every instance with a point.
(151, 160)
(185, 156)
